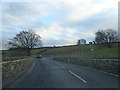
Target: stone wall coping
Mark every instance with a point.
(12, 61)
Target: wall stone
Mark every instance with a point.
(110, 66)
(13, 69)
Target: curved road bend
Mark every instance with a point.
(47, 73)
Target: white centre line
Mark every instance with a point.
(62, 66)
(59, 65)
(77, 76)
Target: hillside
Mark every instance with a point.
(83, 51)
(21, 52)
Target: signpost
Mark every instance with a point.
(91, 48)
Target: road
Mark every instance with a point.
(47, 73)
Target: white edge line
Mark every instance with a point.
(103, 72)
(77, 76)
(62, 66)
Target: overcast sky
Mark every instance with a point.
(59, 22)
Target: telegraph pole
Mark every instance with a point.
(91, 48)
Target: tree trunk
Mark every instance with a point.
(29, 50)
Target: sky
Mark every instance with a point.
(58, 22)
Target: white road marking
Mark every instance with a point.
(102, 72)
(62, 66)
(77, 76)
(59, 65)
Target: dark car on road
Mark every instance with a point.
(39, 56)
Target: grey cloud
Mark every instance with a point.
(17, 16)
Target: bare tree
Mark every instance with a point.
(110, 35)
(25, 40)
(117, 38)
(106, 36)
(100, 36)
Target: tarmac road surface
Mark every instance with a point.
(47, 73)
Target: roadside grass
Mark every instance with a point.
(13, 53)
(21, 52)
(35, 51)
(80, 51)
(82, 55)
(40, 50)
(83, 51)
(106, 53)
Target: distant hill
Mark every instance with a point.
(81, 51)
(84, 51)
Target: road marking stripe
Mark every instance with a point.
(62, 66)
(77, 76)
(59, 65)
(103, 72)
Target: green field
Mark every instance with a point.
(76, 54)
(83, 51)
(20, 53)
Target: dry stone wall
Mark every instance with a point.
(13, 69)
(106, 65)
